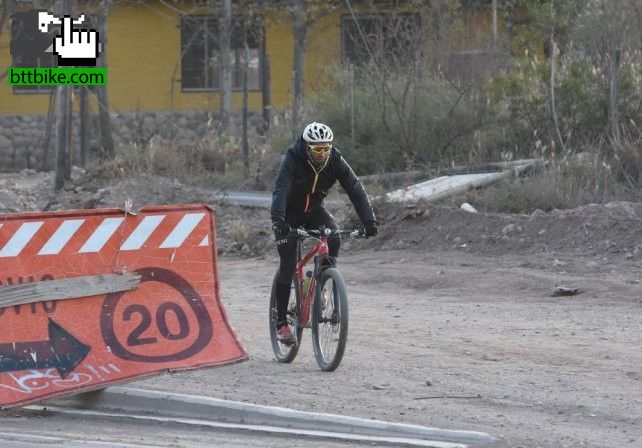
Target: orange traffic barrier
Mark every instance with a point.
(93, 297)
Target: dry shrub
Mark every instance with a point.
(566, 182)
(213, 160)
(211, 155)
(129, 162)
(384, 210)
(627, 160)
(239, 231)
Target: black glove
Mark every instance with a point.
(280, 228)
(370, 229)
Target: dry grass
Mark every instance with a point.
(239, 231)
(214, 160)
(563, 183)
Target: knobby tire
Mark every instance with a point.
(283, 352)
(330, 320)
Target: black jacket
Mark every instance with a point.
(300, 189)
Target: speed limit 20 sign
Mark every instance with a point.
(68, 320)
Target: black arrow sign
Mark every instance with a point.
(62, 351)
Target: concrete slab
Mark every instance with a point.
(444, 186)
(440, 187)
(212, 411)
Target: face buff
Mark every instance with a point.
(318, 150)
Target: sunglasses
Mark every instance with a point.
(320, 149)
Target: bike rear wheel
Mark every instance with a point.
(285, 353)
(330, 320)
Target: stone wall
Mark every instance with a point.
(21, 141)
(22, 137)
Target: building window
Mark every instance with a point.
(29, 49)
(391, 38)
(200, 62)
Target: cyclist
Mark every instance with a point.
(309, 168)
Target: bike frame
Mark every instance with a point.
(307, 300)
(317, 251)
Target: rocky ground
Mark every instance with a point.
(453, 320)
(604, 232)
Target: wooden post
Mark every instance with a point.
(62, 106)
(246, 75)
(614, 115)
(68, 133)
(63, 125)
(225, 68)
(84, 125)
(351, 81)
(265, 87)
(298, 21)
(46, 146)
(552, 88)
(68, 288)
(494, 6)
(106, 137)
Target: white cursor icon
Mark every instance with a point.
(73, 47)
(45, 19)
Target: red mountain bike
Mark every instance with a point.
(325, 294)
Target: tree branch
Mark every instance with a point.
(458, 135)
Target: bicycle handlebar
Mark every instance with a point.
(356, 233)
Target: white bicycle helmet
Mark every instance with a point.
(317, 133)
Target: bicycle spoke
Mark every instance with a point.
(330, 321)
(330, 327)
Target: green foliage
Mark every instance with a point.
(582, 98)
(409, 115)
(553, 14)
(401, 120)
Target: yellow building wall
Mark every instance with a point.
(323, 53)
(143, 58)
(280, 51)
(143, 62)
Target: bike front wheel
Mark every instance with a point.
(330, 320)
(285, 353)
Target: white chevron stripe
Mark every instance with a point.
(142, 232)
(101, 235)
(20, 239)
(61, 237)
(206, 241)
(182, 230)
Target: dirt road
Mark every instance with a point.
(456, 341)
(452, 325)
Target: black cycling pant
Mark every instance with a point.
(288, 257)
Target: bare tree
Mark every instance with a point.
(440, 19)
(637, 8)
(63, 119)
(266, 86)
(246, 72)
(225, 62)
(495, 33)
(299, 26)
(84, 125)
(104, 117)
